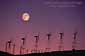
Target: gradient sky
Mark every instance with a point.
(43, 19)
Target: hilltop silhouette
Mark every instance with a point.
(54, 53)
(5, 54)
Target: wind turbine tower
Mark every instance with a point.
(48, 48)
(22, 45)
(61, 47)
(74, 41)
(8, 46)
(36, 42)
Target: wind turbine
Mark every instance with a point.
(36, 42)
(74, 41)
(9, 45)
(22, 47)
(48, 48)
(61, 47)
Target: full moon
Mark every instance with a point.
(25, 17)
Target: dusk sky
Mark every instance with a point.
(44, 18)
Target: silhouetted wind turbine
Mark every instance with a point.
(48, 48)
(23, 41)
(36, 42)
(9, 46)
(74, 41)
(61, 47)
(23, 44)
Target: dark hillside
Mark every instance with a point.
(54, 53)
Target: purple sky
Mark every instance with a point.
(43, 19)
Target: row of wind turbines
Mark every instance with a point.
(12, 46)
